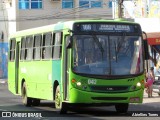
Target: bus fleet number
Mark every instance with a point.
(92, 81)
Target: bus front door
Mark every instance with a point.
(17, 67)
(66, 65)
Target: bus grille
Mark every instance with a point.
(109, 89)
(109, 98)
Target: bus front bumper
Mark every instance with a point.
(79, 96)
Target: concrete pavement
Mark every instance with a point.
(2, 81)
(155, 98)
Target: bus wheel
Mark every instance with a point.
(26, 100)
(35, 102)
(122, 107)
(59, 105)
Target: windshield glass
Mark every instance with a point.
(107, 55)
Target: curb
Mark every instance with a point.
(3, 81)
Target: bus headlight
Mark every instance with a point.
(138, 84)
(78, 83)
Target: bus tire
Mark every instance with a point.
(26, 100)
(35, 102)
(122, 107)
(59, 105)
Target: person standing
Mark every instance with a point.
(150, 80)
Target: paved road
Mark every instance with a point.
(10, 102)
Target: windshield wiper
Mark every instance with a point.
(115, 49)
(121, 41)
(98, 44)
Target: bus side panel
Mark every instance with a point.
(11, 77)
(37, 76)
(43, 80)
(26, 73)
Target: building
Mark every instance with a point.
(33, 13)
(16, 15)
(3, 39)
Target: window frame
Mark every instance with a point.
(37, 47)
(28, 48)
(12, 49)
(91, 3)
(27, 4)
(22, 49)
(66, 6)
(57, 48)
(44, 46)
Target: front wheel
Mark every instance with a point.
(59, 105)
(122, 107)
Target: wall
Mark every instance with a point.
(3, 60)
(52, 12)
(4, 31)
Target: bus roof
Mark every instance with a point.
(62, 25)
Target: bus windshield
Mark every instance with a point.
(107, 54)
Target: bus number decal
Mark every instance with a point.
(92, 81)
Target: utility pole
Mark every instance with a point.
(120, 8)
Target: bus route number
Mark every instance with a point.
(92, 81)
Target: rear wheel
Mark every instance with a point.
(59, 105)
(122, 107)
(26, 100)
(35, 102)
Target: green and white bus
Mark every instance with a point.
(90, 62)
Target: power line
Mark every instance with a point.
(56, 15)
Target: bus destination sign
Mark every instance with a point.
(114, 27)
(85, 27)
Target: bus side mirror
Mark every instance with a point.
(68, 41)
(145, 43)
(146, 51)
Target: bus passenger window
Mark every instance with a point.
(29, 48)
(22, 56)
(12, 49)
(47, 48)
(36, 48)
(52, 44)
(43, 53)
(57, 46)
